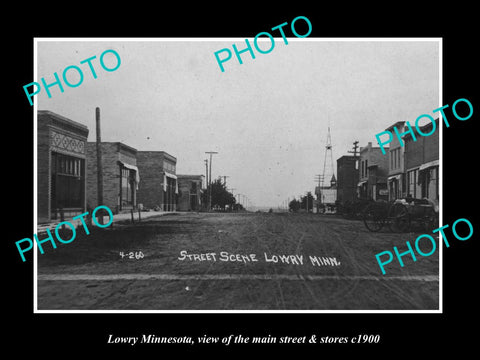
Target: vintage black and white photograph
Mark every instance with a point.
(209, 175)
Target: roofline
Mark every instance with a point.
(127, 147)
(62, 118)
(167, 155)
(119, 144)
(424, 127)
(397, 123)
(186, 176)
(347, 156)
(372, 147)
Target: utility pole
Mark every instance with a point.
(206, 180)
(355, 147)
(99, 162)
(210, 179)
(225, 180)
(354, 152)
(206, 172)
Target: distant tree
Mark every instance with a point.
(221, 197)
(294, 205)
(237, 207)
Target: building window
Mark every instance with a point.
(414, 187)
(193, 189)
(167, 166)
(395, 159)
(412, 180)
(68, 182)
(127, 187)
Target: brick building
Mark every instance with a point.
(396, 182)
(190, 192)
(61, 172)
(373, 172)
(347, 178)
(120, 176)
(159, 186)
(422, 163)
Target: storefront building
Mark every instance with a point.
(121, 177)
(396, 165)
(159, 188)
(422, 163)
(190, 192)
(373, 172)
(61, 157)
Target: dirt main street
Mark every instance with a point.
(250, 261)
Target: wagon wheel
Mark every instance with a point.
(399, 218)
(374, 217)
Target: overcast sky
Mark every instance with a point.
(267, 118)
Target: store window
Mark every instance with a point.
(412, 182)
(127, 187)
(68, 182)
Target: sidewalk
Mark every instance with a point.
(41, 228)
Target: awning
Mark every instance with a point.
(132, 167)
(171, 175)
(394, 177)
(428, 165)
(165, 175)
(361, 183)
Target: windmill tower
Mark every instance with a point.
(328, 181)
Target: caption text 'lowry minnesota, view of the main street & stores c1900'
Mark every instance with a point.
(238, 190)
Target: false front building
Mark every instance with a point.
(373, 174)
(159, 188)
(120, 176)
(422, 163)
(60, 166)
(190, 192)
(396, 164)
